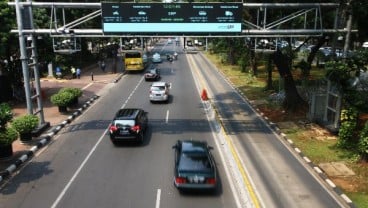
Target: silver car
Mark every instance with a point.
(159, 91)
(156, 58)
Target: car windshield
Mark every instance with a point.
(121, 123)
(194, 162)
(133, 55)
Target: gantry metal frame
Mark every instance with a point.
(261, 26)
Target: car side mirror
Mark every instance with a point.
(175, 146)
(210, 147)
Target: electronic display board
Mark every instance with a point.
(169, 18)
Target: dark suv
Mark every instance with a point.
(128, 124)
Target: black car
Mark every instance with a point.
(195, 167)
(152, 74)
(129, 124)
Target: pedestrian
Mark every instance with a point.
(103, 65)
(78, 73)
(58, 72)
(72, 70)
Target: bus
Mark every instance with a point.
(134, 60)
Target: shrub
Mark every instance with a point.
(8, 135)
(5, 114)
(363, 142)
(348, 128)
(62, 99)
(25, 124)
(75, 91)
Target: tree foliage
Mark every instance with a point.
(8, 22)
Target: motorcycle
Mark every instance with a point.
(169, 57)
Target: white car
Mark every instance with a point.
(156, 58)
(159, 91)
(365, 45)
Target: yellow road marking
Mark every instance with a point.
(230, 143)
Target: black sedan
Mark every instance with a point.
(195, 167)
(152, 74)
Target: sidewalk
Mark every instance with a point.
(49, 86)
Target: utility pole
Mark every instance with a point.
(29, 62)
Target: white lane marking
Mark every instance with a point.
(61, 195)
(167, 116)
(85, 87)
(158, 198)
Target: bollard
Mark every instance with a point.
(92, 76)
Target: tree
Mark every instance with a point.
(292, 99)
(8, 21)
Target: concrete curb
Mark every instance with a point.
(44, 139)
(277, 130)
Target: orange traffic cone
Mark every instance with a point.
(204, 96)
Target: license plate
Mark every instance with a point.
(196, 179)
(123, 132)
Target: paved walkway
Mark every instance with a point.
(49, 86)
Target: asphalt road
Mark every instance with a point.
(82, 168)
(279, 177)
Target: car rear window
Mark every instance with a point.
(194, 162)
(121, 123)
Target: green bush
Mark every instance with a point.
(62, 99)
(75, 91)
(363, 142)
(5, 114)
(8, 135)
(25, 124)
(348, 128)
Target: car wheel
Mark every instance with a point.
(115, 143)
(141, 137)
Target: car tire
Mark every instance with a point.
(141, 137)
(115, 143)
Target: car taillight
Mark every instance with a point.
(113, 128)
(211, 181)
(135, 128)
(180, 180)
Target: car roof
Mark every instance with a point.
(194, 147)
(155, 84)
(127, 113)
